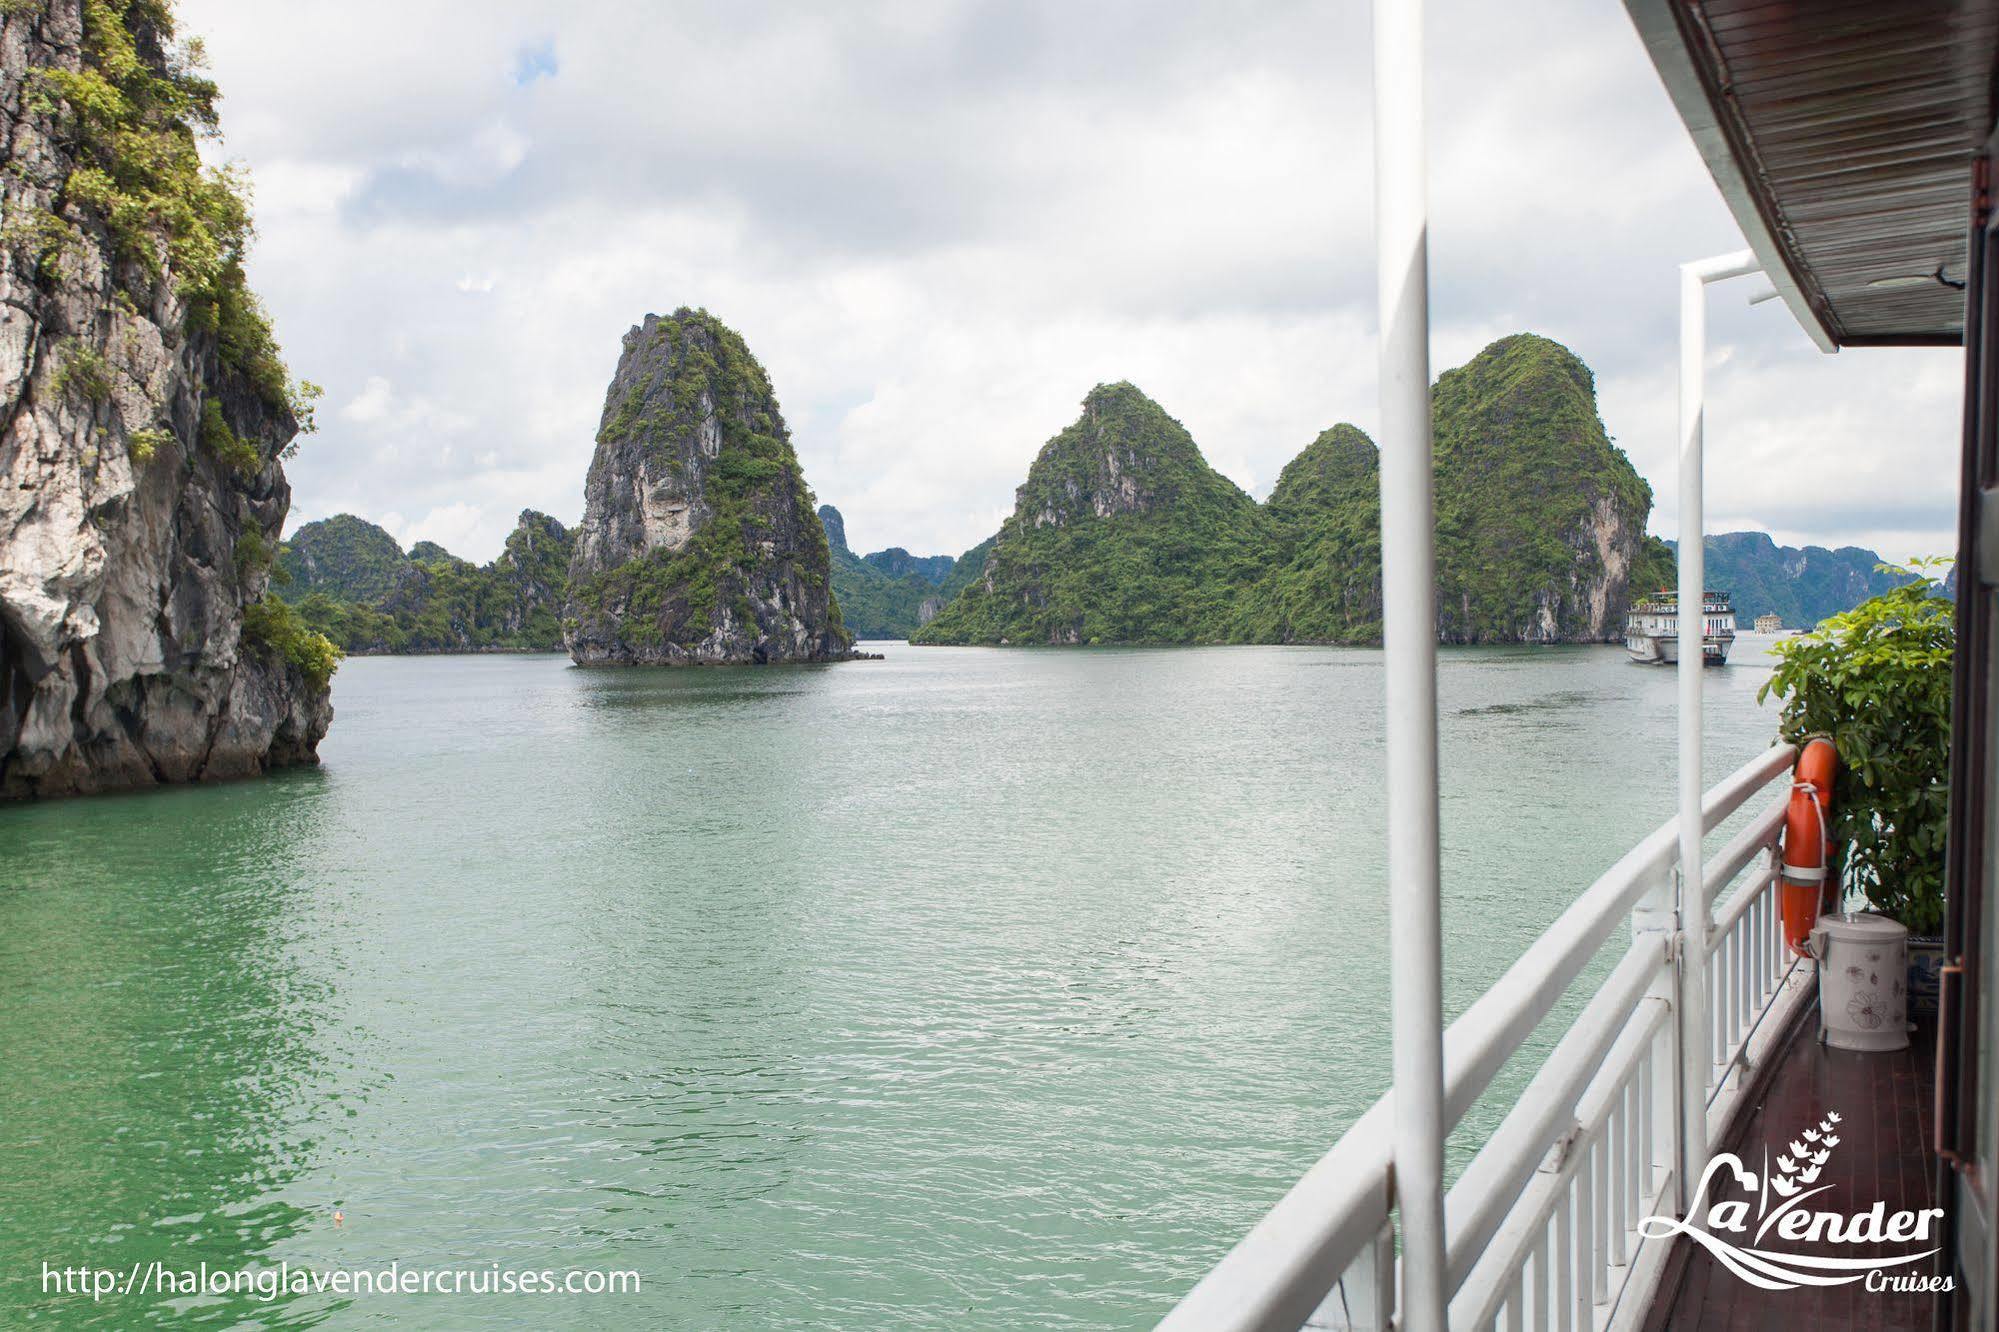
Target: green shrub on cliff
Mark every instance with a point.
(1657, 569)
(133, 127)
(272, 626)
(84, 374)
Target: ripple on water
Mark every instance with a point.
(1005, 987)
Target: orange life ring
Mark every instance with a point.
(1808, 841)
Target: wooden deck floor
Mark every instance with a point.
(1887, 1103)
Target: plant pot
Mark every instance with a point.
(1925, 968)
(1863, 970)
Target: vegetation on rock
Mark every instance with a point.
(134, 123)
(1324, 583)
(343, 558)
(966, 568)
(899, 563)
(1539, 515)
(1657, 569)
(1121, 533)
(275, 627)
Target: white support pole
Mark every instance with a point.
(1409, 638)
(1695, 918)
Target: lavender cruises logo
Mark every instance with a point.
(1736, 1231)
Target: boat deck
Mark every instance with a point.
(1886, 1154)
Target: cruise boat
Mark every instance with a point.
(1652, 629)
(1856, 145)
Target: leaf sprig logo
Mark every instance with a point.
(1735, 1230)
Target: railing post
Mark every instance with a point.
(1364, 1300)
(1658, 913)
(1409, 641)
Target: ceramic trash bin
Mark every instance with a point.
(1863, 981)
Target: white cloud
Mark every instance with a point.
(939, 225)
(371, 404)
(452, 526)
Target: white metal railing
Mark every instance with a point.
(1541, 1228)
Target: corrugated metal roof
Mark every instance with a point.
(1842, 134)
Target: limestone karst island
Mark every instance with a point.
(862, 667)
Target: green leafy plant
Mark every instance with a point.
(37, 235)
(274, 628)
(226, 444)
(134, 125)
(145, 444)
(1877, 680)
(84, 373)
(254, 555)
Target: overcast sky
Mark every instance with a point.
(939, 224)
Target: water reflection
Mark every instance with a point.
(163, 1048)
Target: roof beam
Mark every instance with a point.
(1659, 28)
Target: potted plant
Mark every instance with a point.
(1877, 681)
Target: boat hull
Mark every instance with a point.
(1664, 650)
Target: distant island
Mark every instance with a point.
(352, 581)
(891, 593)
(1798, 585)
(1121, 533)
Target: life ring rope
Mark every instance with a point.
(1804, 884)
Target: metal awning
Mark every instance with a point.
(1842, 134)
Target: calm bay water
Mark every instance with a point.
(996, 989)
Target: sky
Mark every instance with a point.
(939, 223)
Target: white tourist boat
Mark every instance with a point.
(1652, 629)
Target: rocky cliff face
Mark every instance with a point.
(698, 544)
(143, 413)
(1540, 518)
(836, 528)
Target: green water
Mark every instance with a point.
(995, 989)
